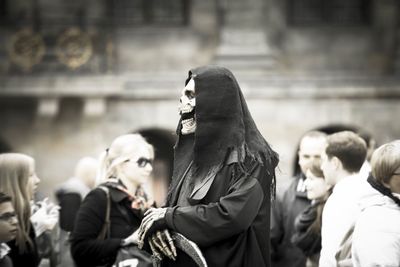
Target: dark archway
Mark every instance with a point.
(4, 147)
(163, 142)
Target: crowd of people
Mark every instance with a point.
(224, 206)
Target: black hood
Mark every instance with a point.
(224, 122)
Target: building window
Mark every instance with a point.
(3, 11)
(143, 12)
(329, 12)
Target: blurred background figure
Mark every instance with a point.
(376, 238)
(307, 225)
(69, 196)
(291, 200)
(70, 193)
(8, 228)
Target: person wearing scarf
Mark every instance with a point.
(307, 225)
(376, 237)
(223, 178)
(111, 213)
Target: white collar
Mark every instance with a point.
(4, 249)
(346, 180)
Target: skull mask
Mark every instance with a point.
(187, 108)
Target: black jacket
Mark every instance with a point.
(86, 250)
(30, 258)
(6, 262)
(305, 237)
(228, 217)
(289, 203)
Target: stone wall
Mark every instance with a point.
(294, 78)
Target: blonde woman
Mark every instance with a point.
(124, 167)
(19, 180)
(376, 237)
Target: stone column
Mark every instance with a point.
(387, 33)
(243, 41)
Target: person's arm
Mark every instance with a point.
(232, 214)
(85, 247)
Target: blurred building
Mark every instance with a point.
(75, 74)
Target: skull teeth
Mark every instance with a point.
(188, 122)
(185, 109)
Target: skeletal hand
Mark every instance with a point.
(161, 244)
(154, 220)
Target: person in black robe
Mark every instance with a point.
(223, 178)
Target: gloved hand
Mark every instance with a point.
(132, 239)
(46, 217)
(161, 244)
(154, 219)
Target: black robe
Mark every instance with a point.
(228, 214)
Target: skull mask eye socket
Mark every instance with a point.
(186, 108)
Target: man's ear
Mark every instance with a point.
(337, 163)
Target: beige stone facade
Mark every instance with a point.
(299, 66)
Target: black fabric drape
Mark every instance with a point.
(224, 124)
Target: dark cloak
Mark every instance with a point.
(232, 168)
(224, 124)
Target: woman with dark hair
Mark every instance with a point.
(307, 226)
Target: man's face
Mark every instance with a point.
(8, 222)
(329, 168)
(310, 152)
(187, 108)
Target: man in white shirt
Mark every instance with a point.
(342, 159)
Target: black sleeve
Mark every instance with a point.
(85, 248)
(232, 214)
(276, 231)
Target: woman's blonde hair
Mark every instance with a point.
(385, 161)
(14, 178)
(121, 148)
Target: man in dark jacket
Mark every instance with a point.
(290, 201)
(223, 179)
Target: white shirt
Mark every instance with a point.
(340, 213)
(365, 169)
